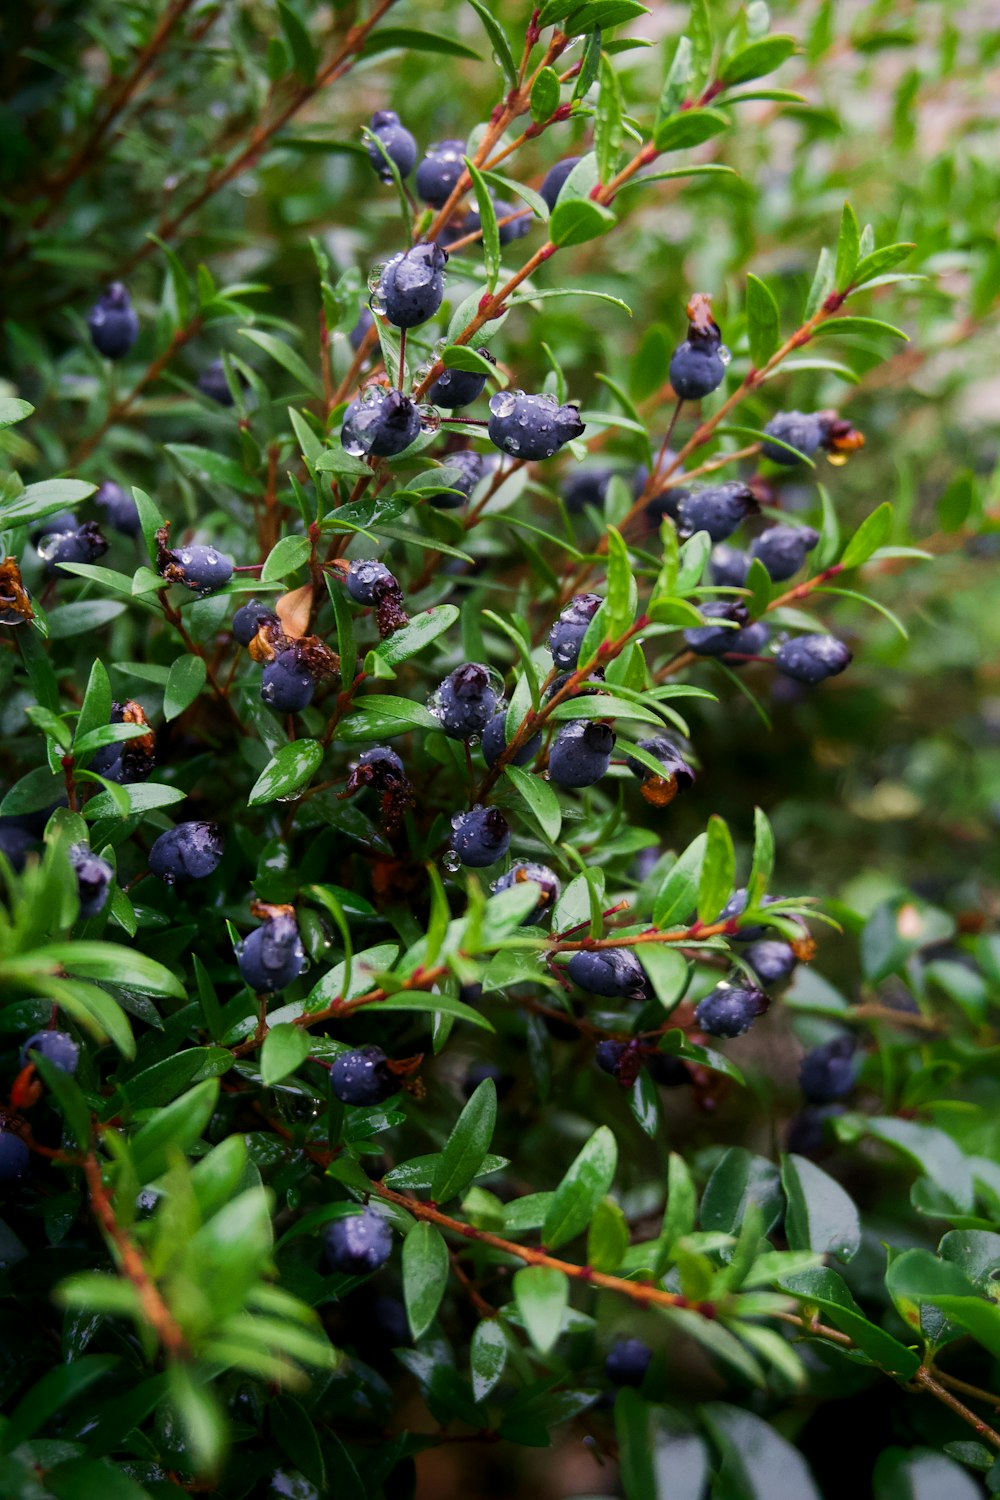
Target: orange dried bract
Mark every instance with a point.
(294, 610)
(13, 594)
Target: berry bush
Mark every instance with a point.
(498, 957)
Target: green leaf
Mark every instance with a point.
(675, 85)
(286, 357)
(13, 410)
(763, 858)
(869, 326)
(287, 772)
(692, 127)
(487, 1356)
(576, 220)
(135, 798)
(114, 963)
(285, 1047)
(763, 326)
(417, 1174)
(679, 1214)
(406, 39)
(608, 128)
(827, 1291)
(498, 42)
(717, 872)
(300, 43)
(757, 1462)
(541, 800)
(213, 468)
(880, 261)
(848, 242)
(173, 1129)
(466, 1148)
(602, 14)
(542, 1295)
(738, 1182)
(667, 969)
(869, 537)
(618, 604)
(607, 1238)
(488, 222)
(185, 681)
(201, 1418)
(425, 1276)
(43, 499)
(62, 1385)
(581, 1189)
(545, 93)
(757, 59)
(68, 1096)
(444, 1005)
(412, 639)
(676, 898)
(291, 553)
(635, 1451)
(821, 1216)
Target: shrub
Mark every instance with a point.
(431, 661)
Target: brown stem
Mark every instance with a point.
(173, 615)
(154, 1309)
(933, 1387)
(119, 97)
(260, 138)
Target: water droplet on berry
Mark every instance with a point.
(725, 354)
(513, 446)
(377, 304)
(502, 404)
(451, 861)
(375, 276)
(169, 879)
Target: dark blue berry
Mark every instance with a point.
(494, 743)
(675, 767)
(531, 427)
(566, 635)
(782, 549)
(83, 545)
(286, 685)
(555, 177)
(191, 851)
(730, 1009)
(411, 287)
(698, 367)
(466, 701)
(273, 955)
(15, 1158)
(113, 322)
(628, 1362)
(750, 641)
(772, 960)
(801, 430)
(383, 767)
(586, 487)
(212, 383)
(120, 510)
(367, 581)
(130, 760)
(382, 424)
(249, 618)
(359, 1243)
(362, 1077)
(715, 640)
(470, 467)
(454, 388)
(202, 569)
(812, 658)
(392, 1324)
(807, 1131)
(359, 332)
(829, 1072)
(608, 1056)
(515, 230)
(541, 876)
(439, 171)
(728, 566)
(60, 520)
(581, 753)
(399, 145)
(717, 509)
(480, 837)
(614, 973)
(57, 1047)
(93, 879)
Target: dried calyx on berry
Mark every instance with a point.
(198, 567)
(698, 365)
(15, 601)
(370, 582)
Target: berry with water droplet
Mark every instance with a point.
(411, 287)
(614, 973)
(287, 685)
(57, 1047)
(730, 1009)
(812, 658)
(361, 1077)
(198, 567)
(191, 851)
(439, 171)
(359, 1243)
(380, 425)
(540, 875)
(494, 743)
(531, 427)
(480, 837)
(716, 640)
(717, 509)
(273, 955)
(783, 549)
(84, 545)
(581, 753)
(566, 635)
(455, 388)
(466, 701)
(249, 618)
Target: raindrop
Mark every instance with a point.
(169, 879)
(377, 304)
(502, 404)
(50, 545)
(451, 861)
(375, 276)
(725, 354)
